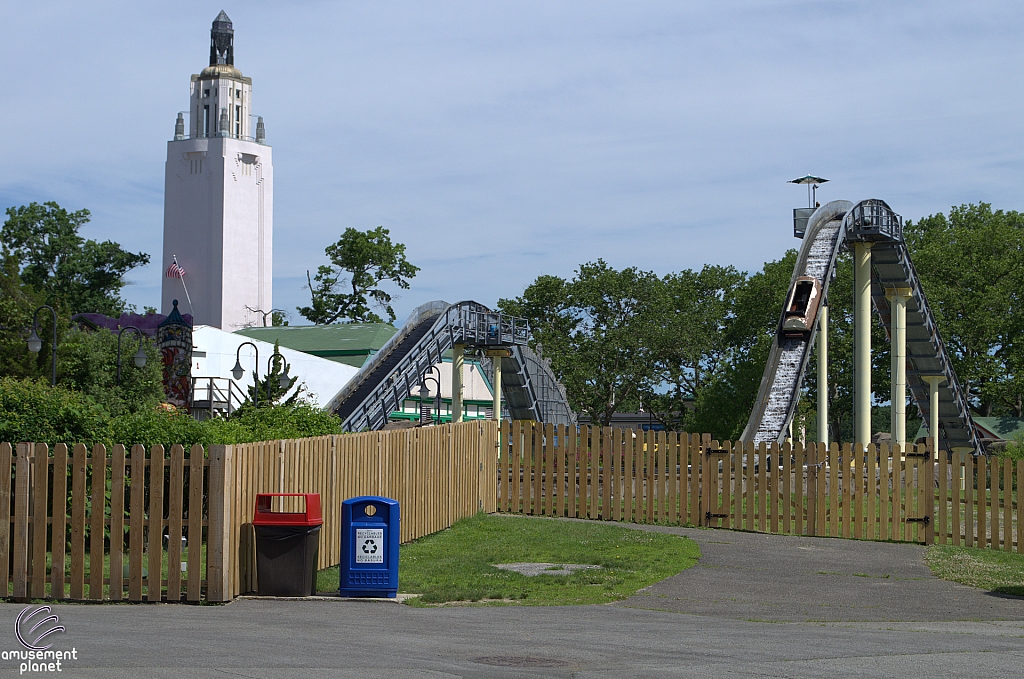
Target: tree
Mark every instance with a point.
(695, 310)
(597, 329)
(723, 406)
(87, 362)
(71, 272)
(971, 266)
(349, 287)
(17, 303)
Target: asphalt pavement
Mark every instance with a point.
(754, 606)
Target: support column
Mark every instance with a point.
(823, 374)
(496, 405)
(898, 374)
(933, 406)
(862, 343)
(458, 360)
(496, 355)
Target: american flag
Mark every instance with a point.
(175, 271)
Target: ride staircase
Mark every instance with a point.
(215, 397)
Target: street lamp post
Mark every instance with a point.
(35, 344)
(238, 370)
(140, 355)
(282, 381)
(424, 391)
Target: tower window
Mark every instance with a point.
(206, 93)
(238, 121)
(238, 93)
(206, 120)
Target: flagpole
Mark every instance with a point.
(181, 277)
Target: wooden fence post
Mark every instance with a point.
(20, 569)
(5, 517)
(811, 455)
(98, 500)
(193, 583)
(929, 497)
(218, 532)
(705, 481)
(155, 583)
(78, 470)
(136, 519)
(39, 483)
(117, 523)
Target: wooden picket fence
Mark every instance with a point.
(438, 475)
(94, 515)
(55, 502)
(677, 478)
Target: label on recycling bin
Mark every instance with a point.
(369, 545)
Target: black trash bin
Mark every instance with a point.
(287, 545)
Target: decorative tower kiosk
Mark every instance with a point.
(218, 198)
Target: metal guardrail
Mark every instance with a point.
(477, 328)
(382, 385)
(873, 220)
(240, 137)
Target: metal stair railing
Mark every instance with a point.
(222, 397)
(391, 376)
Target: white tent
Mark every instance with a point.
(215, 351)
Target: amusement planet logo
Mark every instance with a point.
(34, 628)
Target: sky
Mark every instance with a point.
(505, 140)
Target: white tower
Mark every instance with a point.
(218, 198)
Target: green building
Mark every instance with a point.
(349, 343)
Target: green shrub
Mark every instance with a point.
(87, 362)
(155, 426)
(32, 410)
(245, 426)
(1014, 447)
(299, 420)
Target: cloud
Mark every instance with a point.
(500, 141)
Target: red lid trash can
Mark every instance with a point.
(287, 543)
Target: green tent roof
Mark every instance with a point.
(348, 343)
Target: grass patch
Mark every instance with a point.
(456, 565)
(1000, 572)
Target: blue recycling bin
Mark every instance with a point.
(369, 547)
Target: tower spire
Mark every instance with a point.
(222, 38)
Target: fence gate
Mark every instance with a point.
(918, 495)
(717, 477)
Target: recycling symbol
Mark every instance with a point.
(369, 547)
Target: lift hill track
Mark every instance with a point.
(831, 227)
(530, 389)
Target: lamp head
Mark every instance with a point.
(35, 345)
(284, 381)
(140, 358)
(238, 371)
